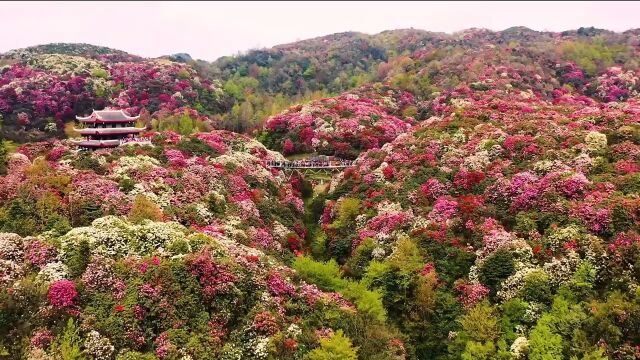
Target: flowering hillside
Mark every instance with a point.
(40, 90)
(213, 182)
(173, 251)
(420, 67)
(504, 226)
(343, 126)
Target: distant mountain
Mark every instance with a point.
(75, 49)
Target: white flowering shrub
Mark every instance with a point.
(519, 347)
(115, 237)
(595, 141)
(52, 272)
(127, 165)
(98, 346)
(11, 247)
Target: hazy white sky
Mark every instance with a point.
(208, 30)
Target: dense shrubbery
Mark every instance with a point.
(342, 126)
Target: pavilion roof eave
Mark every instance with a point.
(95, 116)
(122, 130)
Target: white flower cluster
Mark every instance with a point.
(560, 270)
(38, 354)
(128, 164)
(378, 253)
(64, 64)
(280, 231)
(335, 180)
(163, 200)
(294, 331)
(260, 347)
(514, 283)
(112, 237)
(459, 136)
(9, 271)
(52, 272)
(11, 247)
(477, 161)
(452, 156)
(386, 207)
(533, 312)
(595, 141)
(546, 166)
(203, 212)
(153, 236)
(563, 235)
(98, 346)
(519, 347)
(460, 103)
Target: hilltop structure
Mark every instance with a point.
(108, 128)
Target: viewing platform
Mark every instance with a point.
(309, 164)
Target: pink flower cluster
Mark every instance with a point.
(62, 293)
(470, 294)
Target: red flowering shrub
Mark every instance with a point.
(213, 278)
(265, 323)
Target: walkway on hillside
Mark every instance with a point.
(309, 164)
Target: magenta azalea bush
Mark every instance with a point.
(62, 293)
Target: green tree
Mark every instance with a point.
(143, 208)
(4, 155)
(185, 125)
(336, 347)
(544, 344)
(68, 345)
(496, 268)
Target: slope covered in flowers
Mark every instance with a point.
(492, 211)
(211, 181)
(41, 89)
(503, 226)
(342, 126)
(167, 251)
(172, 294)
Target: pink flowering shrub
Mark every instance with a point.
(213, 278)
(39, 253)
(470, 294)
(62, 293)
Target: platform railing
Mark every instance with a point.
(309, 164)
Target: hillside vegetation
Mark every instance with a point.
(491, 212)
